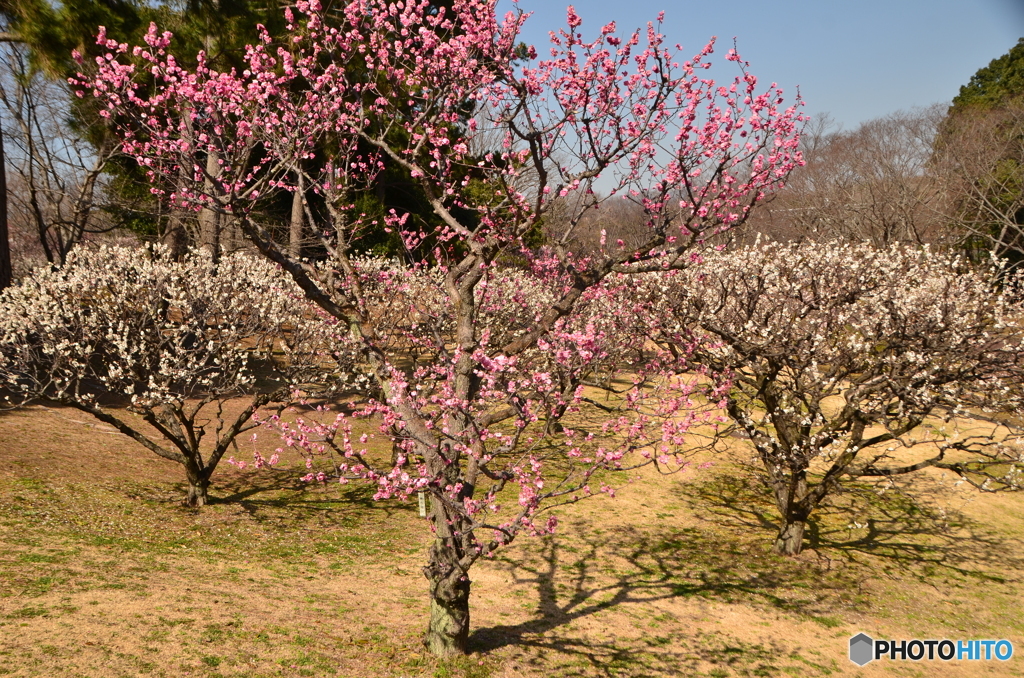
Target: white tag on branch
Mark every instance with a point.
(423, 504)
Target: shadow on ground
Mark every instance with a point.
(620, 568)
(281, 489)
(587, 569)
(865, 525)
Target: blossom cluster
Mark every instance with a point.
(134, 323)
(328, 110)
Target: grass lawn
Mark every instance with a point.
(103, 573)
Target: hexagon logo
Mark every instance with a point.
(862, 649)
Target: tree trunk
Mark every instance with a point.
(791, 496)
(448, 632)
(6, 274)
(230, 236)
(174, 235)
(295, 225)
(790, 540)
(209, 232)
(198, 485)
(209, 220)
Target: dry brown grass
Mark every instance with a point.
(102, 573)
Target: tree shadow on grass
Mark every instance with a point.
(599, 570)
(259, 487)
(282, 491)
(590, 569)
(867, 527)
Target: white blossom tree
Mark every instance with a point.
(850, 361)
(174, 340)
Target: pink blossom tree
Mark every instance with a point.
(486, 377)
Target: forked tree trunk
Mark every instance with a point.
(448, 631)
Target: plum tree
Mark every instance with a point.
(851, 361)
(176, 340)
(498, 398)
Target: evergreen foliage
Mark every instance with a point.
(995, 84)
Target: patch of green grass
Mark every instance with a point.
(38, 558)
(29, 612)
(176, 622)
(31, 483)
(463, 667)
(213, 633)
(829, 622)
(156, 635)
(39, 586)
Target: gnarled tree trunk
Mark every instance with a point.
(448, 631)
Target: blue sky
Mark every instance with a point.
(854, 60)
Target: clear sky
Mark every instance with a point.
(856, 60)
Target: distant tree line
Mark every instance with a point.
(946, 175)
